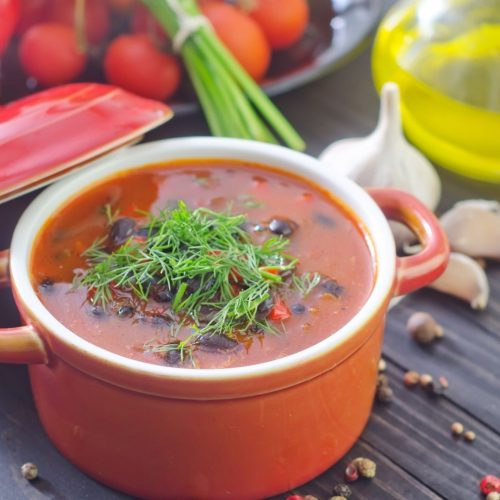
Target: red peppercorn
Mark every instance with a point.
(489, 484)
(294, 497)
(351, 473)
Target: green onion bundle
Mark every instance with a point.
(234, 105)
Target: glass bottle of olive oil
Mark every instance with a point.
(445, 56)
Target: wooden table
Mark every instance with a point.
(409, 438)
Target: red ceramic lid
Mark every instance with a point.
(51, 133)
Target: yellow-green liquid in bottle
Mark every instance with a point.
(445, 57)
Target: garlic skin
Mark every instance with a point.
(473, 228)
(465, 279)
(385, 158)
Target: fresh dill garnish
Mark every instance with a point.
(306, 282)
(108, 212)
(206, 260)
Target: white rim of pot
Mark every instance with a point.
(57, 195)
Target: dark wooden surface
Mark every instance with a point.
(409, 438)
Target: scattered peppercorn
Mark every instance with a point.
(411, 378)
(29, 471)
(366, 467)
(443, 382)
(469, 436)
(342, 490)
(457, 429)
(382, 365)
(423, 328)
(384, 394)
(489, 484)
(351, 473)
(494, 495)
(382, 380)
(437, 389)
(426, 380)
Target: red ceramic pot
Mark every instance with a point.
(244, 432)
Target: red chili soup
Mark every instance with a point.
(203, 264)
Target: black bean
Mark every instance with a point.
(121, 230)
(144, 232)
(264, 307)
(161, 293)
(160, 319)
(125, 311)
(298, 308)
(332, 287)
(195, 283)
(46, 284)
(96, 310)
(173, 357)
(206, 314)
(258, 228)
(324, 220)
(282, 227)
(216, 342)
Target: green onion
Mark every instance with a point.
(234, 105)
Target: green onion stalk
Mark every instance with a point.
(233, 104)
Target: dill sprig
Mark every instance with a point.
(306, 282)
(205, 259)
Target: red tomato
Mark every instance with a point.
(31, 12)
(9, 13)
(96, 17)
(144, 22)
(282, 21)
(134, 63)
(49, 53)
(241, 35)
(279, 312)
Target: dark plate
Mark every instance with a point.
(337, 30)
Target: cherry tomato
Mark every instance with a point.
(134, 63)
(49, 53)
(144, 22)
(282, 21)
(241, 35)
(9, 13)
(31, 12)
(97, 22)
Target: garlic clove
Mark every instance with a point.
(385, 158)
(465, 279)
(473, 228)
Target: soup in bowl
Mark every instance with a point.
(204, 317)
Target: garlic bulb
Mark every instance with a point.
(385, 158)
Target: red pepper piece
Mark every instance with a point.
(294, 497)
(489, 484)
(279, 311)
(351, 473)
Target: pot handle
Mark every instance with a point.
(21, 344)
(421, 269)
